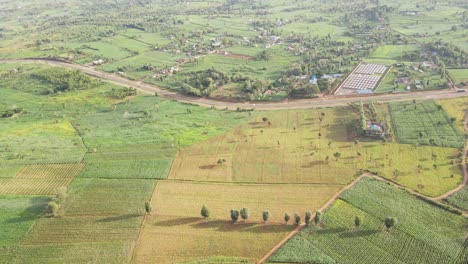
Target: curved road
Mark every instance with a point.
(328, 101)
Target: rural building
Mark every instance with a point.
(375, 129)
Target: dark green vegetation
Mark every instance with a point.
(425, 123)
(264, 50)
(423, 233)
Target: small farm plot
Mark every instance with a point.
(460, 199)
(168, 240)
(425, 123)
(40, 179)
(416, 238)
(456, 108)
(459, 75)
(176, 231)
(185, 199)
(17, 215)
(106, 213)
(364, 78)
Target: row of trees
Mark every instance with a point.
(244, 214)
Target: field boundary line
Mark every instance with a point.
(300, 227)
(248, 183)
(464, 167)
(143, 220)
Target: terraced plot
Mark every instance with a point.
(40, 179)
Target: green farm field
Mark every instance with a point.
(425, 123)
(414, 239)
(459, 75)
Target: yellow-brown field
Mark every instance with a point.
(177, 233)
(184, 199)
(456, 108)
(180, 239)
(296, 147)
(40, 179)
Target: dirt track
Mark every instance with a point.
(328, 101)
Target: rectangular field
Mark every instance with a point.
(425, 123)
(296, 147)
(416, 238)
(185, 198)
(99, 222)
(177, 233)
(40, 179)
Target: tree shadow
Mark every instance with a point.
(118, 218)
(207, 167)
(35, 210)
(177, 222)
(245, 227)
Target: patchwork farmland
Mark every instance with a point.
(233, 131)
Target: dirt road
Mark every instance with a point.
(328, 101)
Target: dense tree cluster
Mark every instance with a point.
(61, 80)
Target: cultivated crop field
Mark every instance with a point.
(425, 123)
(40, 179)
(167, 239)
(416, 238)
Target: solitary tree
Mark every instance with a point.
(286, 217)
(205, 212)
(297, 219)
(318, 218)
(266, 216)
(308, 217)
(337, 155)
(53, 208)
(390, 222)
(357, 222)
(148, 207)
(244, 213)
(234, 215)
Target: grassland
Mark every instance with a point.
(456, 108)
(391, 54)
(294, 148)
(459, 75)
(425, 123)
(415, 239)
